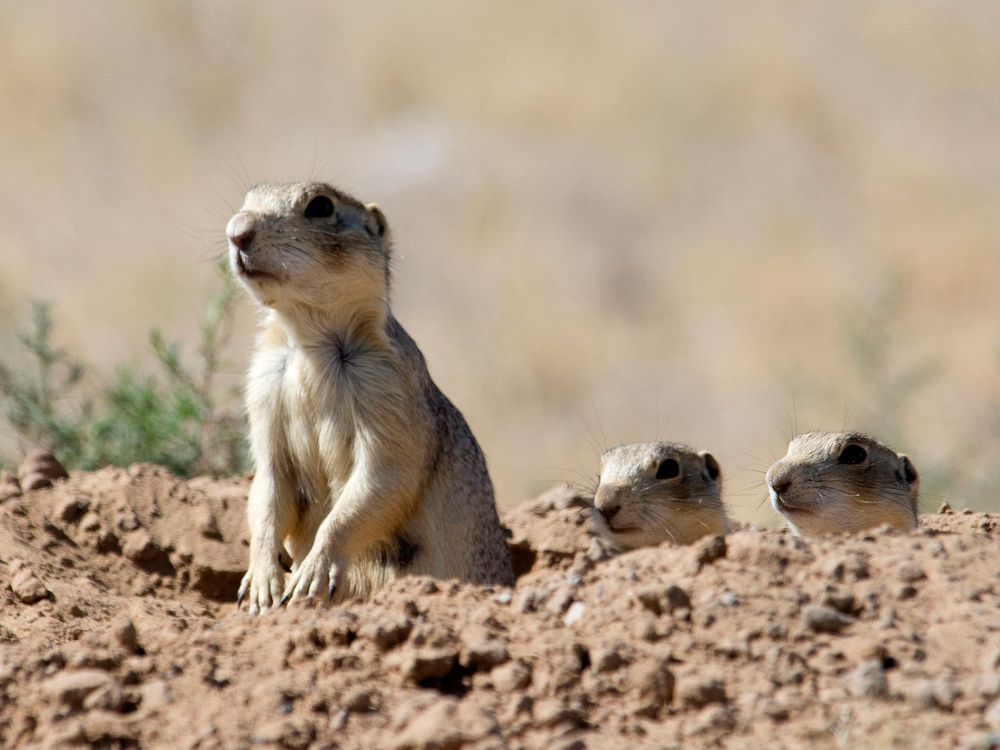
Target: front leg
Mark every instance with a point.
(270, 514)
(376, 500)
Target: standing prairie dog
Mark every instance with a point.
(654, 492)
(843, 482)
(364, 470)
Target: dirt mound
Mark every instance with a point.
(115, 632)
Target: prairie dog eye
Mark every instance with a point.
(319, 207)
(668, 469)
(852, 455)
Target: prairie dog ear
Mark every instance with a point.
(907, 471)
(375, 222)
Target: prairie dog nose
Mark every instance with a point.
(608, 511)
(607, 502)
(779, 481)
(241, 230)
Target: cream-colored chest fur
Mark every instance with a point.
(319, 427)
(303, 411)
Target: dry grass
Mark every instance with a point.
(613, 221)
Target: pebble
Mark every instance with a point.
(825, 620)
(654, 687)
(511, 676)
(9, 486)
(701, 691)
(124, 633)
(27, 587)
(72, 688)
(677, 598)
(420, 666)
(483, 653)
(711, 550)
(575, 613)
(388, 631)
(910, 572)
(868, 680)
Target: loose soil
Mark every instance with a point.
(118, 628)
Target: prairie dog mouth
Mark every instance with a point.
(624, 529)
(245, 268)
(783, 506)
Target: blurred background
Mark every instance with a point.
(708, 222)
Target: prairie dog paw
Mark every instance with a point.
(317, 576)
(262, 586)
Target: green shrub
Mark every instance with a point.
(177, 417)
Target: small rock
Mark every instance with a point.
(43, 460)
(714, 718)
(359, 700)
(9, 487)
(906, 591)
(39, 469)
(991, 716)
(574, 614)
(140, 547)
(988, 685)
(35, 481)
(527, 601)
(843, 603)
(69, 510)
(559, 602)
(774, 710)
(420, 666)
(677, 598)
(910, 572)
(483, 653)
(939, 694)
(388, 631)
(569, 499)
(127, 520)
(155, 695)
(825, 620)
(651, 599)
(868, 681)
(434, 728)
(27, 587)
(599, 550)
(511, 676)
(72, 688)
(294, 733)
(991, 661)
(207, 524)
(710, 550)
(550, 712)
(446, 724)
(90, 521)
(654, 687)
(700, 691)
(853, 565)
(945, 508)
(107, 542)
(124, 633)
(610, 657)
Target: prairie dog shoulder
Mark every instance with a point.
(365, 470)
(654, 492)
(833, 482)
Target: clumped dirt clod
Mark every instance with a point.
(118, 628)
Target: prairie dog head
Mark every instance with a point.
(833, 482)
(309, 246)
(653, 492)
